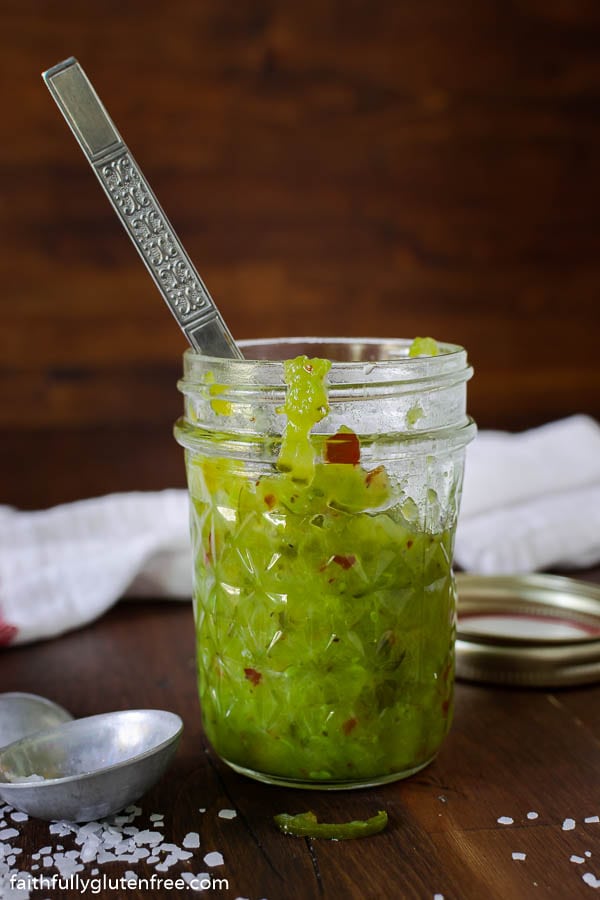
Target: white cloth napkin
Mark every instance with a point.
(61, 568)
(530, 501)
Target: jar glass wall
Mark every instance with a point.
(325, 605)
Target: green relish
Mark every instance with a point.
(324, 614)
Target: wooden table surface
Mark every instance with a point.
(510, 753)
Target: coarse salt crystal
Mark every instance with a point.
(568, 825)
(576, 859)
(148, 837)
(60, 828)
(7, 833)
(519, 856)
(532, 815)
(90, 849)
(227, 813)
(214, 859)
(438, 897)
(587, 852)
(591, 879)
(191, 840)
(505, 820)
(588, 821)
(166, 848)
(166, 864)
(19, 816)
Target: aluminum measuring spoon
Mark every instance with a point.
(139, 211)
(22, 714)
(89, 768)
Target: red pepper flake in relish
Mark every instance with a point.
(270, 500)
(349, 725)
(253, 676)
(343, 447)
(346, 562)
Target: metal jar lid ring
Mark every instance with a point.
(528, 630)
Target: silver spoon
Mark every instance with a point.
(139, 211)
(89, 768)
(22, 714)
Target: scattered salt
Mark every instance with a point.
(587, 852)
(191, 840)
(532, 815)
(576, 859)
(438, 897)
(588, 821)
(505, 820)
(227, 813)
(568, 825)
(148, 837)
(135, 810)
(591, 879)
(60, 828)
(167, 848)
(519, 856)
(202, 809)
(19, 816)
(214, 859)
(8, 833)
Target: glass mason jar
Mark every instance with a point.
(325, 607)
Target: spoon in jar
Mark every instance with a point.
(88, 768)
(139, 211)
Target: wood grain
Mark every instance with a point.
(381, 169)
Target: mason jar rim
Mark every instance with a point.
(372, 361)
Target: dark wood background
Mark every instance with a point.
(332, 166)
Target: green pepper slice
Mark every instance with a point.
(306, 825)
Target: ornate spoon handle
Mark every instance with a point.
(139, 211)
